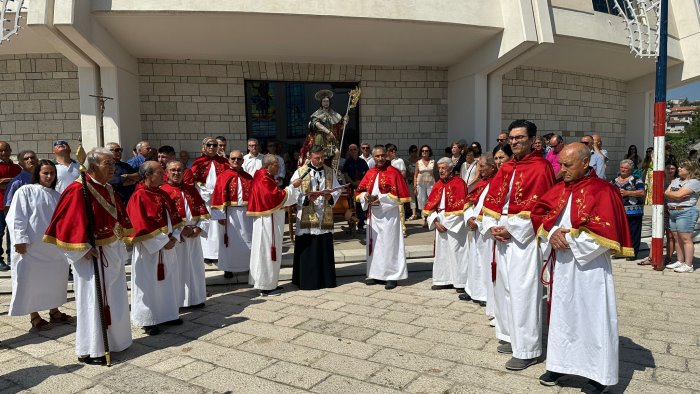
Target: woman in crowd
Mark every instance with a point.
(632, 193)
(681, 198)
(456, 153)
(469, 171)
(648, 173)
(39, 270)
(539, 145)
(424, 177)
(502, 154)
(634, 156)
(410, 170)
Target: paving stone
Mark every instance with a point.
(344, 385)
(500, 380)
(412, 361)
(291, 321)
(347, 366)
(323, 327)
(191, 370)
(267, 330)
(380, 325)
(362, 310)
(452, 338)
(425, 384)
(224, 380)
(293, 374)
(357, 333)
(343, 346)
(678, 379)
(400, 342)
(313, 314)
(282, 351)
(393, 377)
(243, 361)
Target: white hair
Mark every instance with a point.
(93, 158)
(446, 161)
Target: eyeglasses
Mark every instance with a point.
(60, 142)
(236, 159)
(29, 158)
(425, 150)
(518, 138)
(116, 150)
(212, 145)
(500, 139)
(365, 148)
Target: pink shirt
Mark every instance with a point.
(553, 158)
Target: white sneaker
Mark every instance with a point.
(674, 265)
(684, 268)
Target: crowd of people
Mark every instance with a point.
(510, 224)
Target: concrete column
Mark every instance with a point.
(122, 123)
(87, 85)
(468, 102)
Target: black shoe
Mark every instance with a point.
(228, 274)
(175, 322)
(208, 261)
(370, 282)
(465, 297)
(550, 378)
(4, 267)
(390, 284)
(481, 303)
(593, 387)
(198, 306)
(102, 360)
(151, 330)
(518, 364)
(505, 348)
(440, 287)
(273, 292)
(460, 290)
(631, 258)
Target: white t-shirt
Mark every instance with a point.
(66, 174)
(689, 201)
(252, 163)
(399, 164)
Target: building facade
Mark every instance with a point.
(432, 72)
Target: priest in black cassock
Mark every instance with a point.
(314, 263)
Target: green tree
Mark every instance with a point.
(681, 142)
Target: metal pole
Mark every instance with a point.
(657, 219)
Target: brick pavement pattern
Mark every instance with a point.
(356, 339)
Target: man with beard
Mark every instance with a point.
(192, 287)
(506, 214)
(582, 220)
(382, 191)
(228, 206)
(445, 212)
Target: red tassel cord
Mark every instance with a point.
(493, 263)
(107, 312)
(161, 266)
(273, 249)
(549, 284)
(369, 229)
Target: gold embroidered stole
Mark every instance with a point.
(309, 219)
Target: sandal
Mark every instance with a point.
(59, 317)
(646, 261)
(39, 324)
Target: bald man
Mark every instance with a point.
(579, 234)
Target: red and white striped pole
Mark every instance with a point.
(657, 219)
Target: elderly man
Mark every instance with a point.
(502, 139)
(228, 206)
(8, 170)
(506, 214)
(445, 212)
(556, 143)
(67, 169)
(166, 153)
(382, 191)
(583, 220)
(314, 261)
(154, 273)
(354, 169)
(125, 177)
(479, 286)
(266, 205)
(69, 231)
(252, 162)
(597, 160)
(27, 160)
(192, 287)
(143, 153)
(205, 170)
(367, 155)
(272, 150)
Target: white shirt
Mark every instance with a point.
(369, 159)
(66, 174)
(252, 163)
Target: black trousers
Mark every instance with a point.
(635, 226)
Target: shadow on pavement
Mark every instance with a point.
(27, 378)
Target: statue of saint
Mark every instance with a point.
(325, 128)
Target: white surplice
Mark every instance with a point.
(264, 271)
(583, 337)
(480, 256)
(192, 286)
(210, 244)
(154, 301)
(39, 276)
(451, 247)
(483, 247)
(518, 291)
(236, 256)
(388, 258)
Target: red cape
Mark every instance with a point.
(201, 165)
(146, 209)
(390, 182)
(596, 208)
(455, 196)
(198, 208)
(69, 228)
(479, 187)
(265, 196)
(226, 189)
(336, 129)
(533, 177)
(187, 177)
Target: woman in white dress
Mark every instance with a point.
(39, 269)
(424, 178)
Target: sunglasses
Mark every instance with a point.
(116, 150)
(212, 145)
(29, 158)
(425, 150)
(501, 140)
(236, 159)
(60, 142)
(365, 147)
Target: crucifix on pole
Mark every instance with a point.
(101, 101)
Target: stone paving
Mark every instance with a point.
(355, 339)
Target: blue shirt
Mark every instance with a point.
(22, 179)
(634, 206)
(598, 164)
(136, 162)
